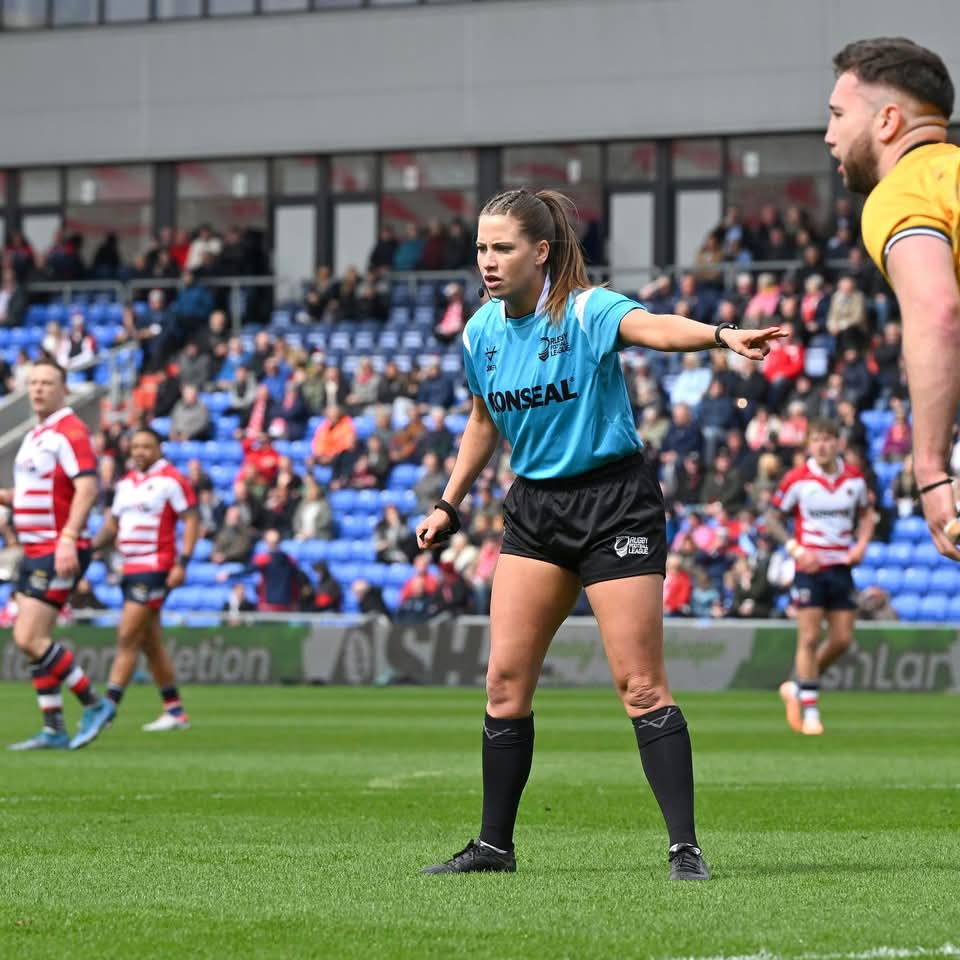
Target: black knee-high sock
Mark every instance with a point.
(507, 758)
(668, 763)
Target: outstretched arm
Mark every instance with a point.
(670, 333)
(923, 275)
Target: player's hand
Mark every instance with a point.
(806, 562)
(939, 509)
(176, 576)
(6, 497)
(66, 563)
(752, 344)
(855, 556)
(434, 529)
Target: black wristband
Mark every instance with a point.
(934, 485)
(451, 512)
(183, 560)
(723, 326)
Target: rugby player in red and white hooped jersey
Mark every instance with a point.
(147, 505)
(54, 488)
(833, 522)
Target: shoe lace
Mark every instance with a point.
(686, 858)
(469, 852)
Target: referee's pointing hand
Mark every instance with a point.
(752, 344)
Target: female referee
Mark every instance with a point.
(585, 510)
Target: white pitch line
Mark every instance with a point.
(875, 953)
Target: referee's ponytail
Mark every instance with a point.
(548, 215)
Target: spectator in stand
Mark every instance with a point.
(429, 487)
(190, 419)
(215, 339)
(242, 393)
(805, 393)
(709, 260)
(852, 432)
(392, 538)
(452, 314)
(847, 319)
(769, 474)
(327, 595)
(762, 306)
(260, 464)
(360, 476)
(792, 433)
(279, 588)
(13, 300)
(691, 383)
(321, 299)
(416, 601)
(408, 251)
(106, 259)
(335, 442)
(64, 258)
(480, 576)
(717, 415)
(858, 382)
(435, 388)
(723, 483)
(288, 417)
(460, 554)
(210, 512)
(378, 460)
(77, 347)
(761, 429)
(689, 479)
(452, 595)
(814, 307)
(434, 252)
(234, 540)
(369, 599)
(257, 417)
(653, 428)
(437, 439)
(275, 376)
(251, 509)
(345, 307)
(198, 477)
(844, 216)
(192, 307)
(405, 442)
(364, 387)
(684, 435)
(19, 254)
(459, 252)
(278, 508)
(381, 256)
(394, 385)
(677, 588)
(289, 478)
(372, 303)
(752, 593)
(334, 388)
(8, 381)
(782, 366)
(840, 244)
(194, 366)
(156, 331)
(704, 596)
(237, 603)
(887, 355)
(234, 358)
(812, 263)
(313, 518)
(262, 350)
(898, 439)
(204, 244)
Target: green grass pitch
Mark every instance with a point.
(291, 822)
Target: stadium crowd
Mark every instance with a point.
(312, 419)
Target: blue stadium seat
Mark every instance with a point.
(323, 475)
(375, 573)
(389, 340)
(910, 530)
(916, 580)
(367, 501)
(363, 550)
(944, 579)
(314, 550)
(339, 551)
(863, 576)
(405, 500)
(890, 578)
(899, 554)
(161, 425)
(202, 550)
(299, 450)
(876, 421)
(203, 572)
(346, 573)
(399, 573)
(953, 608)
(926, 554)
(933, 607)
(97, 573)
(426, 293)
(876, 553)
(391, 597)
(907, 606)
(364, 426)
(403, 476)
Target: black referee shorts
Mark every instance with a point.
(606, 524)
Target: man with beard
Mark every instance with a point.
(889, 112)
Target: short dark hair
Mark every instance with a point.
(45, 360)
(902, 64)
(153, 433)
(822, 425)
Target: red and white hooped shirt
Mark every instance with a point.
(146, 507)
(824, 508)
(52, 455)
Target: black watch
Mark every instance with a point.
(723, 326)
(183, 559)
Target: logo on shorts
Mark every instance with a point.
(39, 581)
(632, 545)
(801, 595)
(139, 593)
(551, 346)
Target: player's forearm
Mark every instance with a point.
(476, 448)
(931, 350)
(191, 531)
(105, 535)
(865, 528)
(84, 497)
(773, 521)
(668, 333)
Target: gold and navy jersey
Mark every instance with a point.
(920, 196)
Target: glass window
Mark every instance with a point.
(272, 6)
(119, 11)
(18, 14)
(40, 186)
(429, 168)
(790, 170)
(551, 166)
(632, 162)
(3, 188)
(353, 173)
(222, 178)
(110, 184)
(73, 12)
(169, 9)
(295, 175)
(219, 8)
(433, 209)
(700, 159)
